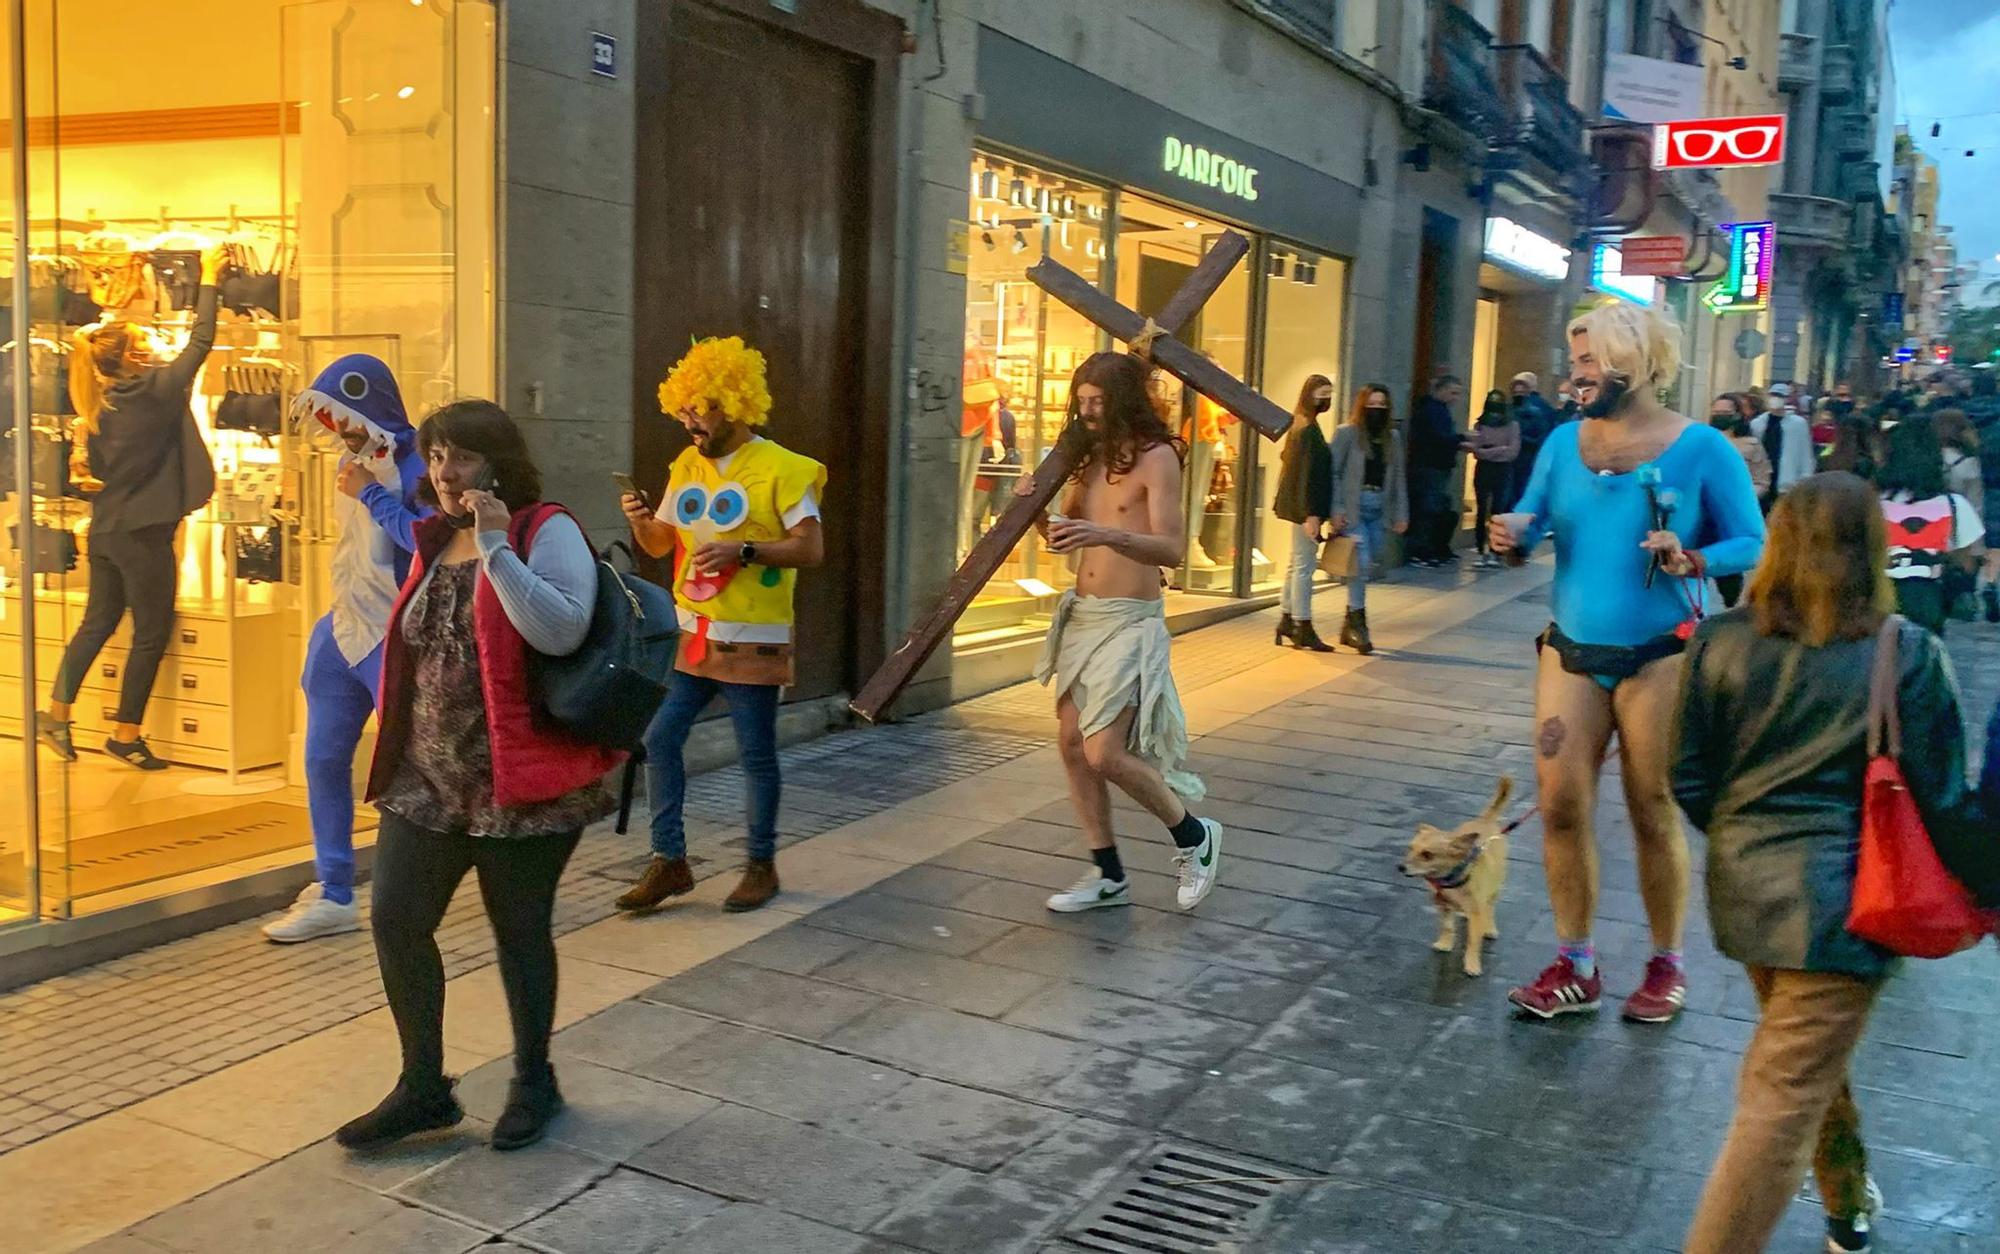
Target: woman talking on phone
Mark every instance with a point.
(467, 777)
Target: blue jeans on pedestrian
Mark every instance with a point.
(753, 708)
(339, 699)
(1297, 596)
(1371, 540)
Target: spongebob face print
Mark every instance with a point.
(708, 515)
(744, 498)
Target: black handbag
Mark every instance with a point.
(607, 691)
(257, 413)
(55, 548)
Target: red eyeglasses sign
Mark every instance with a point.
(1707, 143)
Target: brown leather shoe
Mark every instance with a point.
(664, 878)
(759, 885)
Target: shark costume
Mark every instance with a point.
(371, 557)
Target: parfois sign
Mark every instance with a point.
(1210, 169)
(1710, 143)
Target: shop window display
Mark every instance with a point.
(1020, 350)
(1304, 321)
(1158, 247)
(339, 160)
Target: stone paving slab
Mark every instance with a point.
(1024, 1061)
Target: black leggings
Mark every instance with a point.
(1492, 485)
(128, 570)
(416, 873)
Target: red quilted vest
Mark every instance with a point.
(533, 760)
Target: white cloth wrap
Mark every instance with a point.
(1110, 654)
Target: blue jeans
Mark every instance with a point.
(339, 699)
(1297, 597)
(753, 708)
(1371, 540)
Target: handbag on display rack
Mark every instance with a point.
(1905, 900)
(55, 550)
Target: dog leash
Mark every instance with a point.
(1532, 811)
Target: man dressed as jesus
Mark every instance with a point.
(1120, 718)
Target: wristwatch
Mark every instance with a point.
(747, 554)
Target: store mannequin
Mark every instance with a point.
(145, 450)
(357, 399)
(1205, 432)
(979, 430)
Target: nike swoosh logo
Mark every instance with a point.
(1106, 894)
(1208, 859)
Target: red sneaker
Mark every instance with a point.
(1559, 991)
(1661, 997)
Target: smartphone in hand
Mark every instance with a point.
(484, 483)
(628, 487)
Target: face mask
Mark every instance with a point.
(1321, 405)
(1772, 404)
(1377, 419)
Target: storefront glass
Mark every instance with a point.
(1304, 321)
(344, 149)
(1021, 348)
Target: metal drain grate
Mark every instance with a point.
(1159, 1210)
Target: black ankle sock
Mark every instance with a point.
(1188, 833)
(1108, 864)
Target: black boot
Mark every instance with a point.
(410, 1108)
(1305, 637)
(1286, 628)
(1354, 633)
(531, 1102)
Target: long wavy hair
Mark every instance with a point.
(1302, 413)
(1130, 425)
(1825, 573)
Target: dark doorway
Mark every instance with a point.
(764, 209)
(1436, 262)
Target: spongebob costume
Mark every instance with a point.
(736, 627)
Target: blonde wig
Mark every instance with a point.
(1641, 343)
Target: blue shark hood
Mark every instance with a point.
(359, 391)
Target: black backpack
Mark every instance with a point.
(607, 691)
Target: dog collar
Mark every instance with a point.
(1456, 877)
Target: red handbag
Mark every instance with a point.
(1904, 898)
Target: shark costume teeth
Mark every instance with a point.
(358, 391)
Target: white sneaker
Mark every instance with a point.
(313, 917)
(1092, 892)
(1199, 865)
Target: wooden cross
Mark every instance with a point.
(1153, 340)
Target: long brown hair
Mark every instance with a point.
(482, 427)
(1357, 413)
(1302, 412)
(1130, 425)
(1955, 431)
(1825, 573)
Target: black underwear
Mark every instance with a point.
(1612, 662)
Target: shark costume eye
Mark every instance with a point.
(730, 506)
(690, 504)
(354, 385)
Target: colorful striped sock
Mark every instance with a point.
(1582, 955)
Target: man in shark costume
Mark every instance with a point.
(356, 399)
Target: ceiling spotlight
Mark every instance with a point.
(1020, 242)
(1017, 193)
(1189, 224)
(986, 237)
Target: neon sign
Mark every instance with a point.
(1753, 246)
(1211, 169)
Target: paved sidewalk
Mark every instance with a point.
(914, 1054)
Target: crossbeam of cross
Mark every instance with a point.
(1151, 338)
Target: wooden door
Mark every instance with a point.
(756, 217)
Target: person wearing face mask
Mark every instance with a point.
(1304, 498)
(741, 518)
(1787, 440)
(1625, 493)
(467, 774)
(1495, 443)
(1371, 499)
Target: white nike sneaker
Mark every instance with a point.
(1092, 892)
(1199, 865)
(313, 916)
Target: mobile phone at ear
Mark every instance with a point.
(484, 483)
(627, 486)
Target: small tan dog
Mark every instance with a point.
(1465, 868)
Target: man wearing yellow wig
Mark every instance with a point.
(741, 518)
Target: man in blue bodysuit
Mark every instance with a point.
(1645, 507)
(355, 398)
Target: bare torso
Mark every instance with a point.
(1129, 502)
(1621, 446)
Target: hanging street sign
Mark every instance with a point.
(1653, 254)
(1747, 287)
(1712, 143)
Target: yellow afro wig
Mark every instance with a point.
(725, 372)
